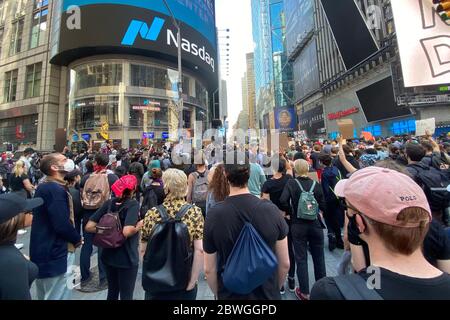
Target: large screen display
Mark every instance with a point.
(306, 71)
(299, 22)
(312, 121)
(352, 35)
(138, 27)
(378, 101)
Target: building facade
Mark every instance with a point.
(337, 77)
(102, 78)
(273, 70)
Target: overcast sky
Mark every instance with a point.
(236, 16)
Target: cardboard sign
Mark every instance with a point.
(423, 125)
(284, 141)
(346, 128)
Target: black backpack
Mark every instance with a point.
(168, 259)
(434, 183)
(150, 201)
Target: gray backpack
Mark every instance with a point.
(308, 208)
(200, 189)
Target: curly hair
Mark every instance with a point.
(219, 184)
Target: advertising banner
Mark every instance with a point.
(312, 121)
(306, 71)
(299, 22)
(424, 43)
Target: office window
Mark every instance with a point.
(33, 80)
(10, 89)
(40, 4)
(15, 44)
(142, 76)
(99, 75)
(19, 7)
(39, 28)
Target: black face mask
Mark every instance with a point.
(353, 231)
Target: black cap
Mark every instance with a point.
(11, 205)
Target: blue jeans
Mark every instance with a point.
(86, 252)
(56, 288)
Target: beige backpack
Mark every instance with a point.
(96, 191)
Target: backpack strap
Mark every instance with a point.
(313, 186)
(163, 213)
(354, 287)
(184, 209)
(300, 185)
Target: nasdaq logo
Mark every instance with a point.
(141, 28)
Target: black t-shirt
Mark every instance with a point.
(16, 274)
(126, 256)
(436, 245)
(16, 183)
(393, 287)
(223, 226)
(275, 187)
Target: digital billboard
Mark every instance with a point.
(378, 101)
(353, 37)
(306, 71)
(138, 27)
(285, 119)
(299, 22)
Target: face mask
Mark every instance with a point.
(353, 231)
(69, 166)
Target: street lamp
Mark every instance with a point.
(180, 76)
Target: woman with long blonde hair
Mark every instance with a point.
(19, 182)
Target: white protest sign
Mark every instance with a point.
(425, 125)
(424, 43)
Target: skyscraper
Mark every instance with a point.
(273, 71)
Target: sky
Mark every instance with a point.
(236, 16)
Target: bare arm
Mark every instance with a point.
(190, 187)
(347, 165)
(265, 196)
(28, 186)
(91, 227)
(197, 264)
(281, 250)
(211, 272)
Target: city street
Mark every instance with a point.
(204, 293)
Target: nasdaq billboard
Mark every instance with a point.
(137, 27)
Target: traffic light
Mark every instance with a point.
(443, 8)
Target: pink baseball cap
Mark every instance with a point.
(126, 182)
(381, 194)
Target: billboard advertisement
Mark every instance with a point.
(306, 71)
(312, 121)
(285, 119)
(139, 27)
(423, 40)
(378, 101)
(299, 22)
(352, 35)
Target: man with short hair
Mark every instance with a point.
(394, 225)
(53, 236)
(224, 224)
(26, 158)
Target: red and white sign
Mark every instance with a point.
(342, 114)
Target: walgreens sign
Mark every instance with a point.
(342, 114)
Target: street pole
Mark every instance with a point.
(180, 75)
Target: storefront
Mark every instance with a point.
(132, 97)
(371, 106)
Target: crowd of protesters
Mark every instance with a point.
(380, 203)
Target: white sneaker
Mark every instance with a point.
(19, 245)
(21, 232)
